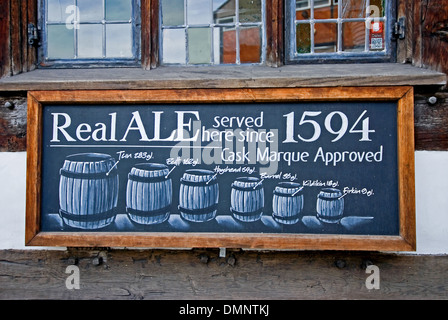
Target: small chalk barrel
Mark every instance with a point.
(148, 193)
(198, 195)
(88, 190)
(330, 205)
(247, 199)
(287, 202)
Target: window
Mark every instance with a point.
(212, 32)
(335, 30)
(80, 31)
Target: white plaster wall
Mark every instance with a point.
(431, 181)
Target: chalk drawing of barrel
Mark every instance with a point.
(330, 205)
(247, 199)
(198, 195)
(287, 202)
(148, 193)
(88, 190)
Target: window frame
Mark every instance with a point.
(277, 14)
(238, 25)
(291, 57)
(134, 61)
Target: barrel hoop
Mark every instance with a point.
(250, 213)
(87, 217)
(200, 211)
(198, 183)
(294, 194)
(249, 188)
(328, 198)
(135, 178)
(335, 218)
(285, 217)
(88, 176)
(146, 213)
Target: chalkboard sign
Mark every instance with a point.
(322, 168)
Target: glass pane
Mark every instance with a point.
(303, 14)
(377, 8)
(325, 39)
(199, 45)
(353, 8)
(303, 40)
(376, 36)
(118, 10)
(353, 36)
(322, 3)
(119, 41)
(302, 4)
(90, 10)
(224, 46)
(173, 46)
(57, 10)
(250, 10)
(199, 12)
(172, 12)
(325, 10)
(250, 45)
(60, 42)
(90, 41)
(224, 11)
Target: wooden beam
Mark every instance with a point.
(118, 274)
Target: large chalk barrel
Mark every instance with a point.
(198, 195)
(287, 202)
(88, 190)
(330, 205)
(148, 193)
(247, 199)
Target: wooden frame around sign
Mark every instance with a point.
(405, 241)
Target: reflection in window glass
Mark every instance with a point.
(89, 29)
(118, 40)
(250, 44)
(218, 31)
(199, 48)
(325, 39)
(224, 11)
(173, 12)
(60, 42)
(224, 49)
(198, 12)
(303, 37)
(90, 10)
(353, 36)
(353, 8)
(90, 41)
(57, 10)
(174, 46)
(326, 27)
(118, 9)
(250, 10)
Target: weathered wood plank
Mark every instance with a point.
(334, 75)
(431, 131)
(13, 111)
(201, 274)
(5, 48)
(434, 25)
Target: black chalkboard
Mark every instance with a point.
(263, 167)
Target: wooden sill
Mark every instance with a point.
(328, 75)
